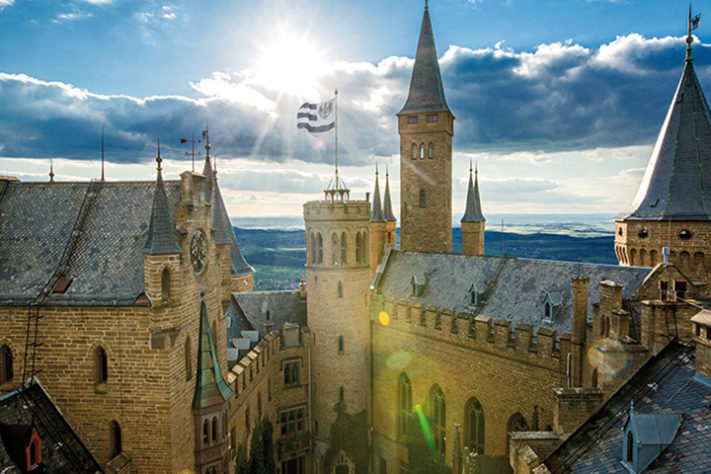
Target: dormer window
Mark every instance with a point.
(663, 290)
(473, 295)
(685, 234)
(680, 290)
(551, 303)
(646, 436)
(418, 282)
(548, 311)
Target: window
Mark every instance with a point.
(335, 249)
(291, 421)
(516, 423)
(340, 289)
(114, 439)
(547, 311)
(233, 439)
(259, 405)
(6, 368)
(414, 151)
(663, 289)
(438, 417)
(340, 344)
(344, 248)
(313, 247)
(630, 447)
(319, 248)
(246, 420)
(165, 286)
(474, 426)
(680, 290)
(214, 428)
(341, 394)
(269, 390)
(100, 365)
(412, 119)
(269, 315)
(291, 373)
(205, 432)
(430, 151)
(422, 198)
(404, 404)
(432, 118)
(473, 295)
(188, 360)
(422, 151)
(224, 424)
(359, 256)
(685, 234)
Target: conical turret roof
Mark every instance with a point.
(376, 214)
(210, 388)
(160, 238)
(426, 91)
(387, 204)
(473, 213)
(677, 183)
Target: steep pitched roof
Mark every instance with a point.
(160, 239)
(387, 203)
(473, 213)
(283, 305)
(210, 388)
(426, 91)
(677, 183)
(376, 214)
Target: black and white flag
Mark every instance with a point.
(316, 118)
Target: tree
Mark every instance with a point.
(261, 449)
(422, 454)
(242, 463)
(268, 446)
(256, 453)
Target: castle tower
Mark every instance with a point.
(377, 228)
(473, 222)
(426, 126)
(672, 207)
(338, 277)
(390, 220)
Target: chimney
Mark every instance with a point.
(702, 336)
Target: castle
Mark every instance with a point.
(132, 304)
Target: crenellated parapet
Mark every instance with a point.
(541, 347)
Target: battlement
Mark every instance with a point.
(336, 210)
(540, 347)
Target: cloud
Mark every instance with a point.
(5, 3)
(525, 105)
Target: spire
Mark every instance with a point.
(207, 169)
(51, 171)
(689, 38)
(677, 183)
(161, 231)
(210, 388)
(387, 205)
(473, 213)
(376, 214)
(426, 91)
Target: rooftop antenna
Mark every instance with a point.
(51, 170)
(102, 154)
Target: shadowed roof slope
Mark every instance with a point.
(376, 214)
(387, 202)
(426, 91)
(677, 183)
(210, 388)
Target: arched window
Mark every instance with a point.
(404, 404)
(593, 378)
(474, 426)
(114, 439)
(430, 151)
(340, 344)
(422, 151)
(341, 395)
(335, 249)
(547, 311)
(165, 286)
(319, 248)
(516, 423)
(246, 420)
(206, 432)
(359, 257)
(438, 417)
(188, 360)
(312, 240)
(214, 428)
(630, 447)
(422, 198)
(340, 289)
(344, 248)
(414, 151)
(6, 368)
(101, 368)
(653, 257)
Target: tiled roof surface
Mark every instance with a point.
(508, 288)
(62, 450)
(665, 384)
(387, 202)
(283, 306)
(160, 238)
(210, 388)
(376, 214)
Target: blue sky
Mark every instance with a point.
(558, 101)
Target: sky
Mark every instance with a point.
(557, 101)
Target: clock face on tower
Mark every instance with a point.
(198, 252)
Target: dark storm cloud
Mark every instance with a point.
(561, 96)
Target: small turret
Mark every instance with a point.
(473, 222)
(377, 227)
(161, 230)
(390, 221)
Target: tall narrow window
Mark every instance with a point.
(165, 286)
(474, 426)
(6, 369)
(414, 151)
(430, 151)
(246, 421)
(340, 344)
(344, 248)
(340, 289)
(404, 404)
(319, 248)
(313, 248)
(630, 447)
(206, 432)
(438, 418)
(422, 151)
(357, 249)
(422, 198)
(214, 428)
(188, 360)
(100, 365)
(335, 249)
(114, 439)
(341, 394)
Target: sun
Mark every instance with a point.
(290, 64)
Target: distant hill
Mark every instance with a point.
(279, 255)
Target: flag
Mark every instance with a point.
(695, 21)
(183, 140)
(316, 118)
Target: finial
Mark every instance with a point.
(691, 25)
(376, 168)
(387, 172)
(51, 171)
(426, 4)
(476, 168)
(102, 154)
(159, 160)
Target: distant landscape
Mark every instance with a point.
(279, 254)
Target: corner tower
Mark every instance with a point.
(672, 207)
(338, 277)
(426, 126)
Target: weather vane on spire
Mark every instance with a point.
(691, 25)
(158, 158)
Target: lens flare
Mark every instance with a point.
(384, 318)
(399, 360)
(609, 356)
(425, 426)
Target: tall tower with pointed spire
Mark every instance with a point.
(672, 207)
(473, 221)
(426, 126)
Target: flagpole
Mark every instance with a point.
(336, 136)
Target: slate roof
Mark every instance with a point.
(426, 91)
(654, 428)
(210, 388)
(677, 183)
(509, 288)
(376, 213)
(472, 212)
(387, 203)
(283, 306)
(62, 450)
(161, 228)
(665, 384)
